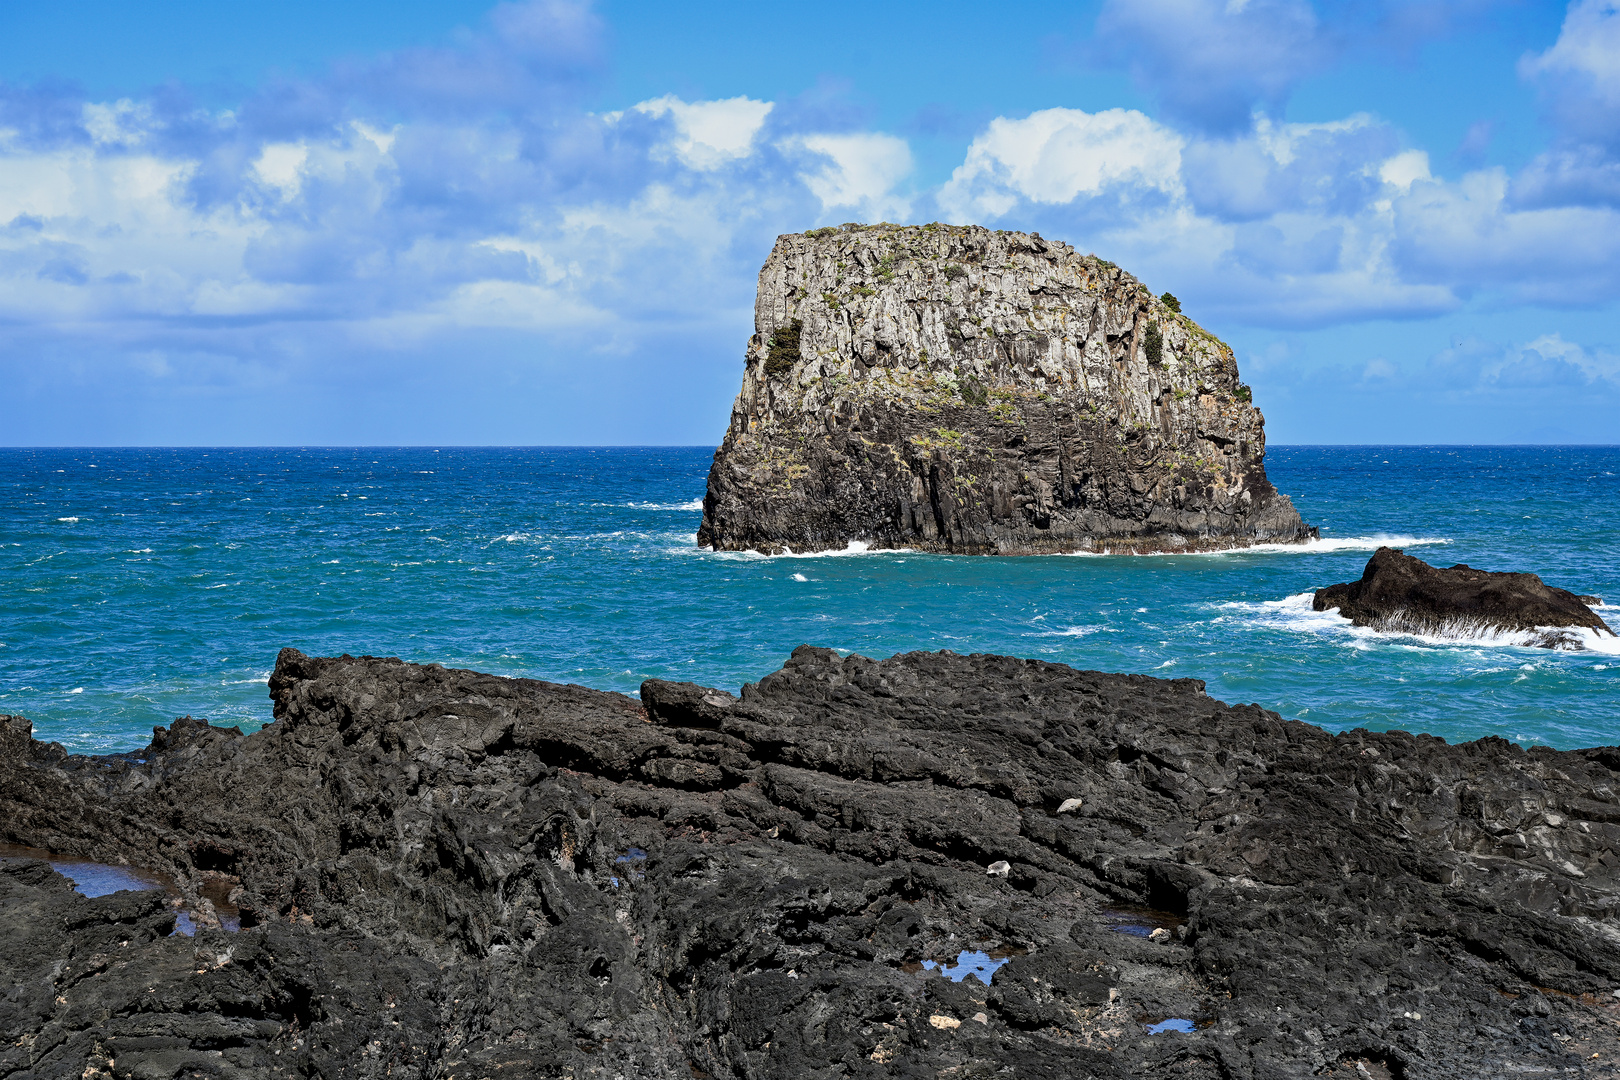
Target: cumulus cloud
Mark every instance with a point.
(709, 134)
(1285, 224)
(1057, 155)
(1580, 73)
(857, 171)
(1579, 81)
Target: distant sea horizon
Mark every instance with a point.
(144, 583)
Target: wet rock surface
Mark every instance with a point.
(442, 873)
(1401, 593)
(957, 389)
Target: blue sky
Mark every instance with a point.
(541, 223)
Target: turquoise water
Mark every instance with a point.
(140, 585)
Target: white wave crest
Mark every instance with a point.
(1294, 613)
(1308, 547)
(1323, 546)
(856, 547)
(690, 504)
(70, 520)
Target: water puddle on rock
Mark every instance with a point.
(1139, 921)
(1174, 1025)
(216, 903)
(979, 963)
(89, 878)
(92, 879)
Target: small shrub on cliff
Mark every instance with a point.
(1169, 300)
(817, 234)
(1244, 394)
(954, 273)
(973, 391)
(784, 349)
(1153, 343)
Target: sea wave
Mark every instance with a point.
(1309, 547)
(1321, 546)
(690, 504)
(856, 547)
(1294, 613)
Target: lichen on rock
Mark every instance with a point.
(959, 389)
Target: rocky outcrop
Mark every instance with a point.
(1403, 594)
(963, 390)
(443, 873)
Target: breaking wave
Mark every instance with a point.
(1294, 613)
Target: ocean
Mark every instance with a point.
(144, 584)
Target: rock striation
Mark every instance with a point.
(1400, 593)
(961, 390)
(442, 873)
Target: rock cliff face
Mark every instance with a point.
(957, 389)
(442, 873)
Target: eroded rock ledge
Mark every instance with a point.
(957, 389)
(444, 873)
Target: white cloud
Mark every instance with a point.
(122, 123)
(1587, 51)
(858, 171)
(1405, 169)
(281, 166)
(710, 134)
(1058, 155)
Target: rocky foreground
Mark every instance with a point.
(972, 391)
(448, 874)
(1400, 593)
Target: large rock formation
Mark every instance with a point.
(963, 390)
(1403, 594)
(445, 874)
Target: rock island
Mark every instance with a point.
(964, 390)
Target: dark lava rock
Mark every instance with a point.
(953, 388)
(1403, 594)
(443, 873)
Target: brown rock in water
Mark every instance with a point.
(962, 390)
(446, 873)
(1403, 594)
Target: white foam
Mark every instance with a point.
(69, 520)
(1324, 546)
(856, 547)
(800, 577)
(1067, 631)
(690, 504)
(1294, 613)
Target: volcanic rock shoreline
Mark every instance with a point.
(963, 390)
(449, 874)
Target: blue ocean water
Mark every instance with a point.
(140, 585)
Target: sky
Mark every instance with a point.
(542, 222)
